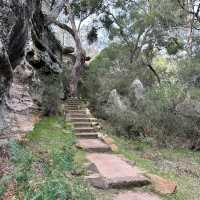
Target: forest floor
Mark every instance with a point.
(179, 165)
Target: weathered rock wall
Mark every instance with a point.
(30, 63)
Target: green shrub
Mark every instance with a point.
(81, 191)
(50, 188)
(155, 115)
(2, 190)
(52, 94)
(188, 70)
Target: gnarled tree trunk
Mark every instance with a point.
(80, 56)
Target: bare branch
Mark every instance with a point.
(196, 14)
(65, 27)
(153, 70)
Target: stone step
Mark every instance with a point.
(87, 135)
(83, 119)
(72, 108)
(114, 172)
(73, 100)
(69, 109)
(73, 104)
(82, 124)
(130, 195)
(78, 115)
(77, 111)
(84, 129)
(93, 145)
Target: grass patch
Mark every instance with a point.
(43, 166)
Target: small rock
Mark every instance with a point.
(108, 140)
(114, 148)
(91, 167)
(94, 123)
(78, 172)
(162, 185)
(98, 127)
(97, 181)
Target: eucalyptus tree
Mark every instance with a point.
(76, 12)
(145, 27)
(191, 9)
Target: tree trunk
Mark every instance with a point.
(80, 56)
(190, 20)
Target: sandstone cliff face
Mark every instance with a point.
(30, 62)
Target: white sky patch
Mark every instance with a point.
(67, 40)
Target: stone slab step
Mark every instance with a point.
(82, 119)
(129, 195)
(93, 145)
(77, 111)
(77, 105)
(79, 119)
(72, 106)
(73, 103)
(78, 115)
(82, 124)
(84, 130)
(73, 100)
(88, 135)
(115, 172)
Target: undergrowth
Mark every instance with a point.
(43, 166)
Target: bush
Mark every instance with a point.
(52, 95)
(155, 115)
(189, 71)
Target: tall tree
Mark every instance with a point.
(191, 8)
(142, 25)
(76, 12)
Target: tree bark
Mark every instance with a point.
(190, 26)
(80, 56)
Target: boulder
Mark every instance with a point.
(189, 108)
(115, 102)
(161, 185)
(137, 89)
(196, 80)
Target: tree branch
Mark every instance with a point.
(68, 50)
(153, 70)
(196, 14)
(65, 27)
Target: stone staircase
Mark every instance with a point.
(107, 170)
